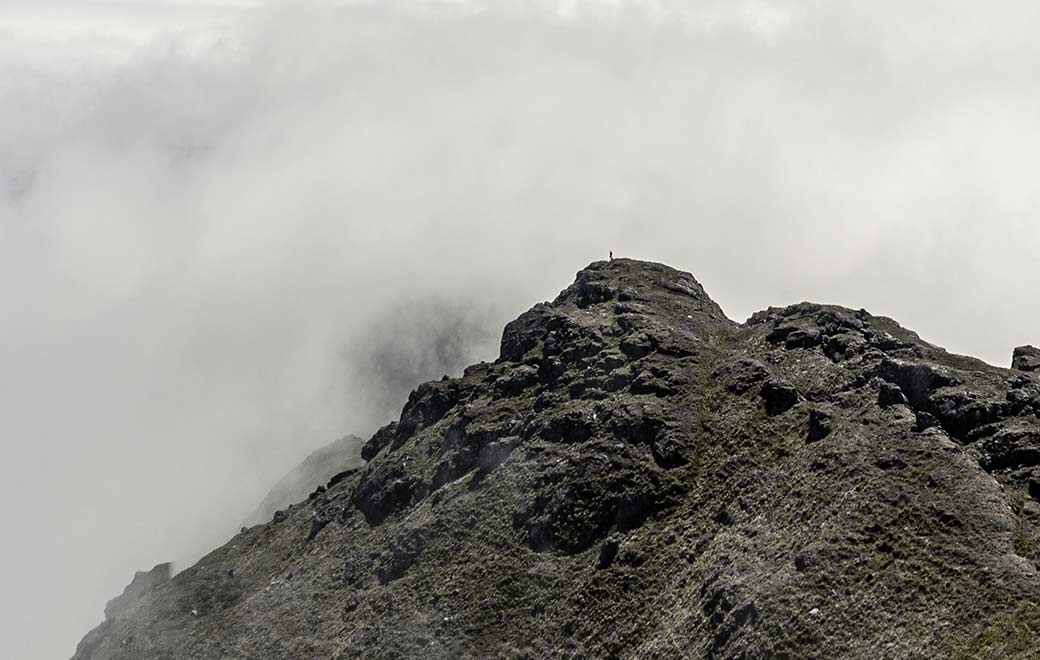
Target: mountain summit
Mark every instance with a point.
(637, 476)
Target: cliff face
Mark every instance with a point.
(637, 476)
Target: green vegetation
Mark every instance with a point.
(1008, 637)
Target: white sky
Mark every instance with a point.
(230, 233)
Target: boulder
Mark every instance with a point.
(820, 425)
(889, 394)
(1026, 358)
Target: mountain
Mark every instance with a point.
(637, 476)
(320, 466)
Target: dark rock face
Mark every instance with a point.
(890, 394)
(820, 425)
(637, 476)
(1026, 358)
(779, 396)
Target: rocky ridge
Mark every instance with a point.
(637, 476)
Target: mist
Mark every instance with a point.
(233, 232)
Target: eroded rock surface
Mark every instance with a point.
(637, 476)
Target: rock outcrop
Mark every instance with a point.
(637, 476)
(315, 470)
(143, 582)
(124, 605)
(1026, 358)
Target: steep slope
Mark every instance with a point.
(319, 466)
(637, 476)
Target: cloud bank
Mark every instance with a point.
(232, 233)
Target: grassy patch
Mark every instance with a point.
(1014, 636)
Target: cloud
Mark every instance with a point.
(231, 240)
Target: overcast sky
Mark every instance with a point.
(232, 232)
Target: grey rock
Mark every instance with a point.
(889, 394)
(1026, 358)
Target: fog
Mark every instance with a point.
(232, 232)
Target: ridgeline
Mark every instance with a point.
(638, 476)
